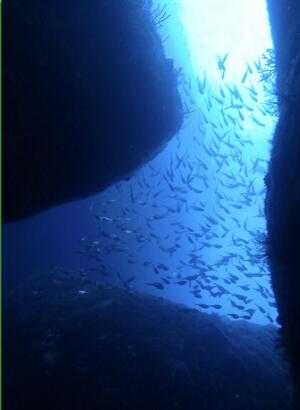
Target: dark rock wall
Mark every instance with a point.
(88, 96)
(283, 179)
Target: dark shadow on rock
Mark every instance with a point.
(88, 97)
(283, 187)
(71, 345)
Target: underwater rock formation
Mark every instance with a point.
(88, 96)
(283, 186)
(92, 347)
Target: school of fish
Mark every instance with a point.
(191, 221)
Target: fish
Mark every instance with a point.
(224, 119)
(203, 305)
(247, 317)
(211, 220)
(202, 85)
(237, 206)
(250, 109)
(261, 309)
(128, 231)
(156, 270)
(242, 118)
(181, 282)
(252, 90)
(256, 121)
(250, 311)
(234, 315)
(209, 102)
(106, 235)
(155, 195)
(236, 305)
(198, 191)
(235, 106)
(82, 292)
(262, 111)
(222, 289)
(224, 208)
(160, 216)
(258, 66)
(162, 267)
(213, 124)
(170, 209)
(242, 298)
(157, 285)
(179, 161)
(221, 102)
(129, 280)
(217, 246)
(197, 294)
(221, 64)
(230, 117)
(142, 238)
(216, 306)
(191, 277)
(254, 275)
(226, 281)
(197, 208)
(245, 76)
(222, 92)
(234, 92)
(268, 316)
(249, 69)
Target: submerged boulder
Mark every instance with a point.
(69, 344)
(88, 97)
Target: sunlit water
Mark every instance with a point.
(190, 223)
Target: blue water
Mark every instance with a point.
(188, 225)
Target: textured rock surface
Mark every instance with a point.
(117, 349)
(88, 96)
(283, 179)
